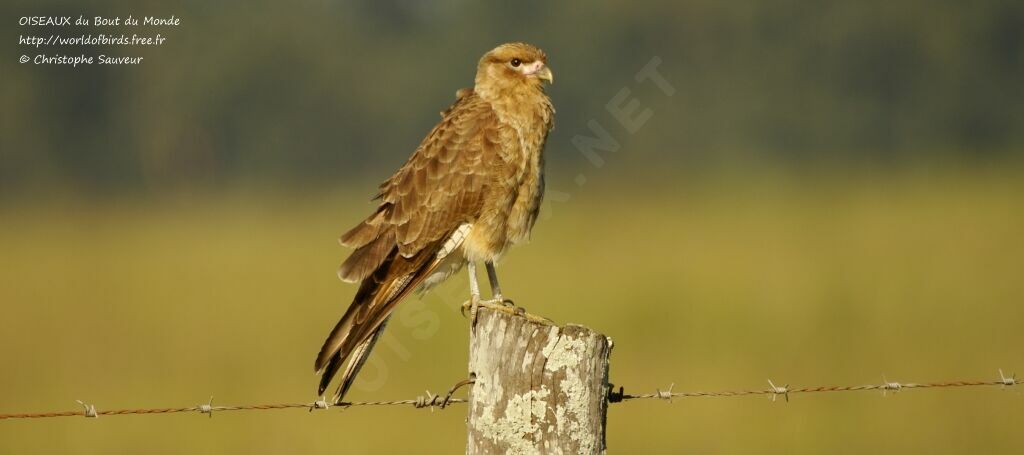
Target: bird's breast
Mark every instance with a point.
(514, 181)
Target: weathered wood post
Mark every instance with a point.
(538, 389)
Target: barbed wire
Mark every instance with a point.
(89, 410)
(785, 391)
(432, 401)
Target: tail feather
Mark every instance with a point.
(358, 330)
(361, 303)
(355, 363)
(328, 372)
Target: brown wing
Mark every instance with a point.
(440, 187)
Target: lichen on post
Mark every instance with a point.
(538, 388)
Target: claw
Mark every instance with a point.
(502, 305)
(498, 298)
(473, 305)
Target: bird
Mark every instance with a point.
(470, 190)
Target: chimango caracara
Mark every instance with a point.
(471, 190)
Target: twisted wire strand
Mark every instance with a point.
(420, 402)
(888, 386)
(432, 401)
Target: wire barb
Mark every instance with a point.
(890, 386)
(430, 400)
(319, 404)
(1008, 381)
(666, 395)
(776, 391)
(90, 409)
(206, 408)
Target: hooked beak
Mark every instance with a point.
(539, 70)
(544, 74)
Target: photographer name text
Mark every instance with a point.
(107, 32)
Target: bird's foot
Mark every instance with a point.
(499, 299)
(473, 305)
(504, 305)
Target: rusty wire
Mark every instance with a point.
(432, 401)
(785, 391)
(428, 401)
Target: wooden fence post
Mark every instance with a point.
(538, 389)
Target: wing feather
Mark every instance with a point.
(430, 197)
(365, 259)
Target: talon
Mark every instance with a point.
(474, 310)
(472, 305)
(507, 303)
(501, 306)
(498, 298)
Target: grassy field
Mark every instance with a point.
(164, 301)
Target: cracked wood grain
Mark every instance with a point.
(538, 389)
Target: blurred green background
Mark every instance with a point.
(832, 194)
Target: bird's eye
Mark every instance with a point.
(516, 62)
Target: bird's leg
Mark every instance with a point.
(498, 303)
(474, 287)
(474, 294)
(492, 276)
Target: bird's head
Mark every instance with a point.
(513, 66)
